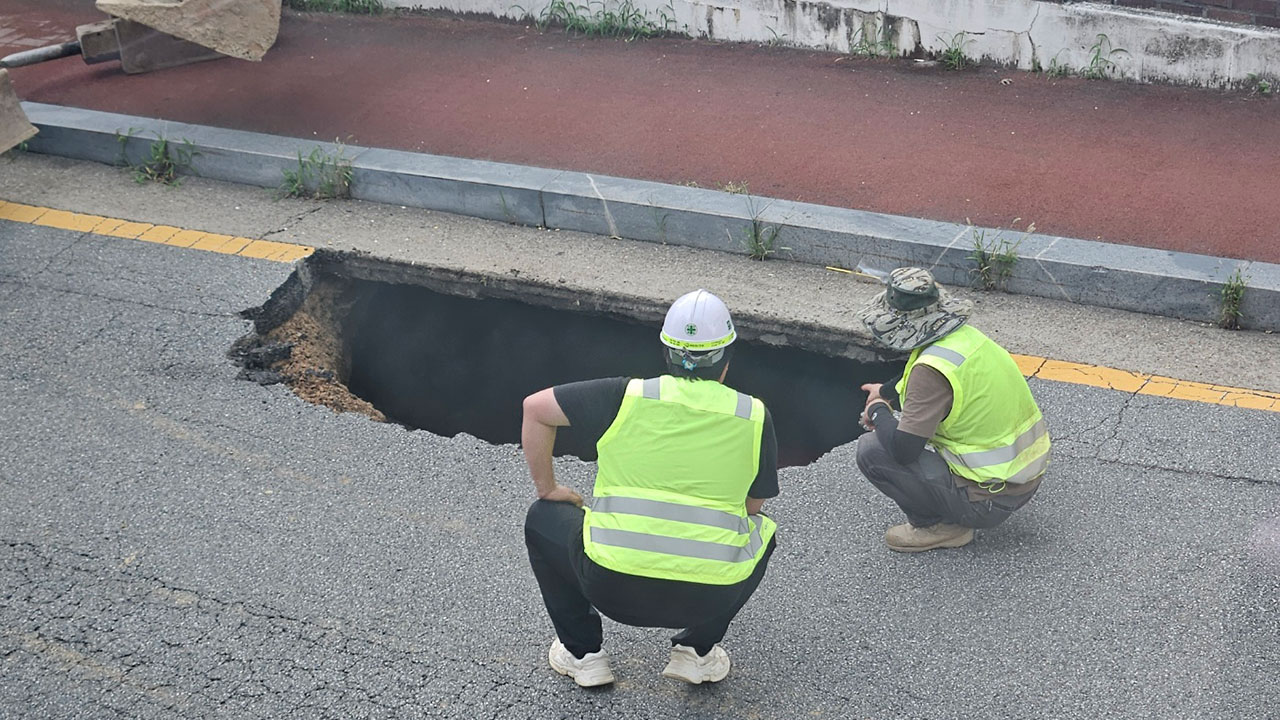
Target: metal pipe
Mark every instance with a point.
(39, 55)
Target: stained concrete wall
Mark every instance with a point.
(1143, 45)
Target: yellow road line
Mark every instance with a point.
(1031, 366)
(162, 234)
(1143, 384)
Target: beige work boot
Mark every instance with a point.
(687, 665)
(591, 670)
(905, 538)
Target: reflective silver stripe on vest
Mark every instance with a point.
(744, 407)
(1030, 472)
(653, 388)
(947, 354)
(680, 546)
(1000, 455)
(672, 511)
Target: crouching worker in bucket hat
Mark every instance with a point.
(970, 446)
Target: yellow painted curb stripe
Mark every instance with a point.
(163, 234)
(1143, 384)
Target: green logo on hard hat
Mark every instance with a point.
(691, 329)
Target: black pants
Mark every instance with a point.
(574, 588)
(926, 492)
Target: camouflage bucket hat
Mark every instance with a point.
(913, 311)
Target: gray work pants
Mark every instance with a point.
(926, 492)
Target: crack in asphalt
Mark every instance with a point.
(293, 221)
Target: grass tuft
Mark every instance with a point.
(1101, 65)
(356, 7)
(953, 56)
(1232, 296)
(320, 175)
(164, 162)
(622, 19)
(994, 258)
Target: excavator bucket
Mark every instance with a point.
(14, 126)
(243, 29)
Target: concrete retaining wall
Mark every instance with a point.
(1140, 45)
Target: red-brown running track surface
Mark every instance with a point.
(1177, 168)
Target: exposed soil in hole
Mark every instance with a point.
(307, 351)
(449, 364)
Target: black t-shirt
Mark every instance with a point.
(592, 405)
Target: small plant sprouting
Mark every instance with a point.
(736, 188)
(164, 162)
(953, 56)
(12, 153)
(357, 7)
(320, 175)
(1101, 65)
(1258, 85)
(1232, 295)
(994, 259)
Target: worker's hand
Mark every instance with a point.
(560, 493)
(873, 396)
(873, 391)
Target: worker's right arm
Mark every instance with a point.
(928, 403)
(542, 415)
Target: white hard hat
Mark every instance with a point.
(698, 322)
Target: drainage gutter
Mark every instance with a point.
(1173, 284)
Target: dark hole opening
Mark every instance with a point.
(448, 364)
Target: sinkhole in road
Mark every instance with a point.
(449, 363)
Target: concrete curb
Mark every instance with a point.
(1180, 285)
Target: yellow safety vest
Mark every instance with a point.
(994, 433)
(670, 494)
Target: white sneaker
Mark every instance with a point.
(686, 665)
(590, 671)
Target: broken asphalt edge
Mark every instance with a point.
(1159, 282)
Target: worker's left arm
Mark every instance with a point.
(542, 416)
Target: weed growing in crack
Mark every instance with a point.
(622, 19)
(163, 163)
(953, 56)
(1231, 297)
(660, 223)
(994, 258)
(867, 45)
(357, 7)
(736, 188)
(762, 238)
(1101, 65)
(320, 175)
(1056, 69)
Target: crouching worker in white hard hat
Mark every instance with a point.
(971, 446)
(674, 537)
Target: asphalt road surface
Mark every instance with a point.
(175, 542)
